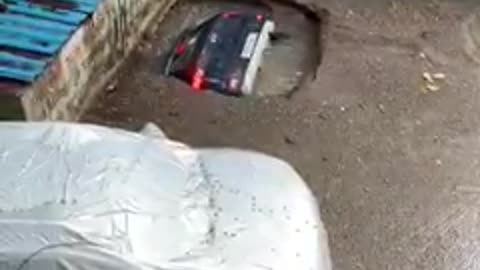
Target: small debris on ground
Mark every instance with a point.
(323, 116)
(439, 76)
(350, 13)
(173, 114)
(112, 87)
(428, 77)
(289, 140)
(432, 81)
(381, 108)
(432, 87)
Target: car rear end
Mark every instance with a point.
(229, 52)
(234, 51)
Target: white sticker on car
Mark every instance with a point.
(249, 46)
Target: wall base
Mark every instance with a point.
(90, 59)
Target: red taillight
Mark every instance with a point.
(197, 80)
(180, 49)
(259, 17)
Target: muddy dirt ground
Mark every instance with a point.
(393, 159)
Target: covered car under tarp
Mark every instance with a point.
(77, 197)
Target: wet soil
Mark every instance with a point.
(395, 166)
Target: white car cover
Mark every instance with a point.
(83, 197)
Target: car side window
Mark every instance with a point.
(185, 51)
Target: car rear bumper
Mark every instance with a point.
(251, 72)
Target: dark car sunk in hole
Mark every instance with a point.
(223, 53)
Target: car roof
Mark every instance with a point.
(220, 37)
(227, 36)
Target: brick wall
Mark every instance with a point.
(88, 61)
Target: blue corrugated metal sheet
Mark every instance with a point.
(33, 31)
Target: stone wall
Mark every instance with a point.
(90, 58)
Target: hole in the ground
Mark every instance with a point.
(291, 61)
(140, 91)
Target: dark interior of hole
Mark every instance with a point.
(316, 15)
(321, 18)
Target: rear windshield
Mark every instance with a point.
(219, 41)
(226, 40)
(230, 33)
(191, 43)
